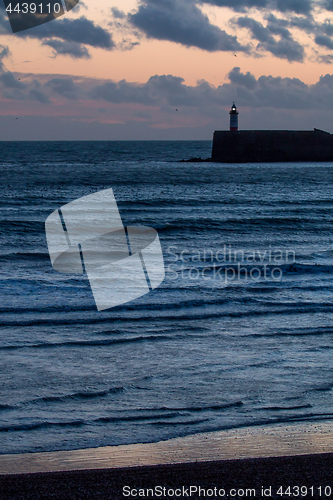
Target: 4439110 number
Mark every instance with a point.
(33, 8)
(304, 491)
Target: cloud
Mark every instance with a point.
(122, 92)
(247, 80)
(38, 95)
(127, 44)
(284, 48)
(327, 28)
(9, 81)
(326, 59)
(164, 93)
(321, 33)
(239, 5)
(141, 110)
(181, 21)
(16, 95)
(267, 92)
(80, 30)
(328, 5)
(72, 49)
(324, 41)
(273, 25)
(290, 94)
(65, 36)
(160, 91)
(64, 87)
(14, 89)
(4, 52)
(305, 24)
(118, 14)
(297, 6)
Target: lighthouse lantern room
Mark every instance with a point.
(233, 118)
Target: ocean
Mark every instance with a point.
(240, 332)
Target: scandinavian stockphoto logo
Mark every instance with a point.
(122, 263)
(24, 14)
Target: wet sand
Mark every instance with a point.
(289, 455)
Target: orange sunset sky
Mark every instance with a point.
(119, 70)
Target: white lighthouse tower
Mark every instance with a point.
(233, 118)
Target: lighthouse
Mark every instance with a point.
(233, 118)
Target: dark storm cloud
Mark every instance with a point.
(282, 93)
(9, 81)
(324, 34)
(297, 6)
(122, 92)
(247, 80)
(163, 93)
(72, 49)
(181, 21)
(4, 52)
(32, 95)
(277, 92)
(285, 48)
(328, 5)
(66, 36)
(184, 22)
(64, 87)
(239, 5)
(38, 95)
(324, 41)
(14, 89)
(326, 59)
(257, 30)
(167, 92)
(158, 91)
(118, 14)
(80, 30)
(306, 24)
(327, 28)
(320, 32)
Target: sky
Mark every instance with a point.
(167, 69)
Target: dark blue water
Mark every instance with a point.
(239, 333)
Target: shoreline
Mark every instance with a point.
(274, 440)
